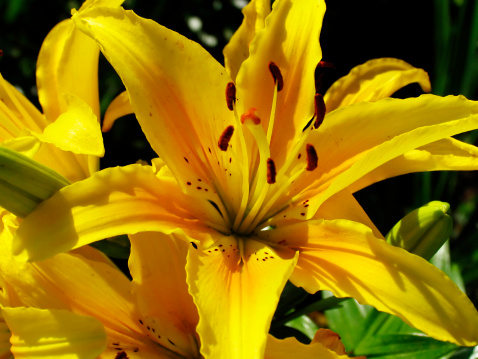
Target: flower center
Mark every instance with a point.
(265, 187)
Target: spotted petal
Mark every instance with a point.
(177, 91)
(157, 264)
(345, 258)
(236, 298)
(122, 200)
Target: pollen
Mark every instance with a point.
(312, 158)
(230, 95)
(225, 138)
(250, 115)
(319, 110)
(277, 75)
(271, 171)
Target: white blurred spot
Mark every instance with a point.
(208, 40)
(195, 23)
(239, 3)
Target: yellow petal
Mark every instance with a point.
(157, 264)
(177, 91)
(119, 107)
(121, 200)
(76, 130)
(345, 258)
(54, 334)
(236, 298)
(291, 40)
(17, 113)
(443, 155)
(26, 145)
(108, 3)
(67, 64)
(374, 80)
(364, 136)
(237, 50)
(291, 348)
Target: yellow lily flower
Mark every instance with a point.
(258, 176)
(67, 82)
(79, 304)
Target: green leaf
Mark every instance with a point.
(305, 325)
(404, 346)
(348, 321)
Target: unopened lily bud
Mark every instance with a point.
(424, 230)
(24, 182)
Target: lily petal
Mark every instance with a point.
(236, 298)
(76, 130)
(157, 264)
(59, 333)
(373, 81)
(119, 107)
(26, 145)
(372, 134)
(237, 50)
(63, 52)
(177, 91)
(442, 155)
(291, 40)
(121, 200)
(345, 258)
(291, 348)
(17, 113)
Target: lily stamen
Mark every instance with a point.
(312, 158)
(231, 95)
(277, 75)
(279, 84)
(223, 142)
(271, 171)
(320, 110)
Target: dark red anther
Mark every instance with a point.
(271, 171)
(320, 70)
(319, 110)
(276, 74)
(312, 158)
(230, 95)
(1, 52)
(225, 138)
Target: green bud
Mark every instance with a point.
(424, 230)
(24, 182)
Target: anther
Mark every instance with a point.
(276, 74)
(250, 115)
(319, 110)
(271, 171)
(225, 138)
(312, 158)
(230, 95)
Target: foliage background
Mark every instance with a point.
(439, 36)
